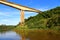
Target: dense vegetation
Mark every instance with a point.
(45, 20)
(43, 26)
(6, 27)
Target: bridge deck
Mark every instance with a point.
(19, 7)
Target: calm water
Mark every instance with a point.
(9, 35)
(30, 35)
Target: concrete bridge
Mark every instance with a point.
(19, 7)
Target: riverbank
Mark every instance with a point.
(4, 28)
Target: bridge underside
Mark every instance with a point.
(19, 7)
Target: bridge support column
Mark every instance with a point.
(22, 17)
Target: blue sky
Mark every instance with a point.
(11, 16)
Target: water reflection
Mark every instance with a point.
(30, 35)
(39, 34)
(10, 35)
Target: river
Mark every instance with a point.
(30, 35)
(9, 35)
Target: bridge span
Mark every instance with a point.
(19, 7)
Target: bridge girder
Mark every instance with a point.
(19, 7)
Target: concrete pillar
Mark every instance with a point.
(22, 17)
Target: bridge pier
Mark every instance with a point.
(22, 17)
(19, 7)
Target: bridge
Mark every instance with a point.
(19, 7)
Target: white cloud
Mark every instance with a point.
(0, 24)
(5, 20)
(9, 21)
(43, 9)
(30, 13)
(4, 14)
(8, 18)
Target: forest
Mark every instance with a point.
(49, 19)
(6, 27)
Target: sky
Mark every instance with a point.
(11, 16)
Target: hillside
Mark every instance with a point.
(46, 19)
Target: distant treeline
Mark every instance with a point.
(6, 27)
